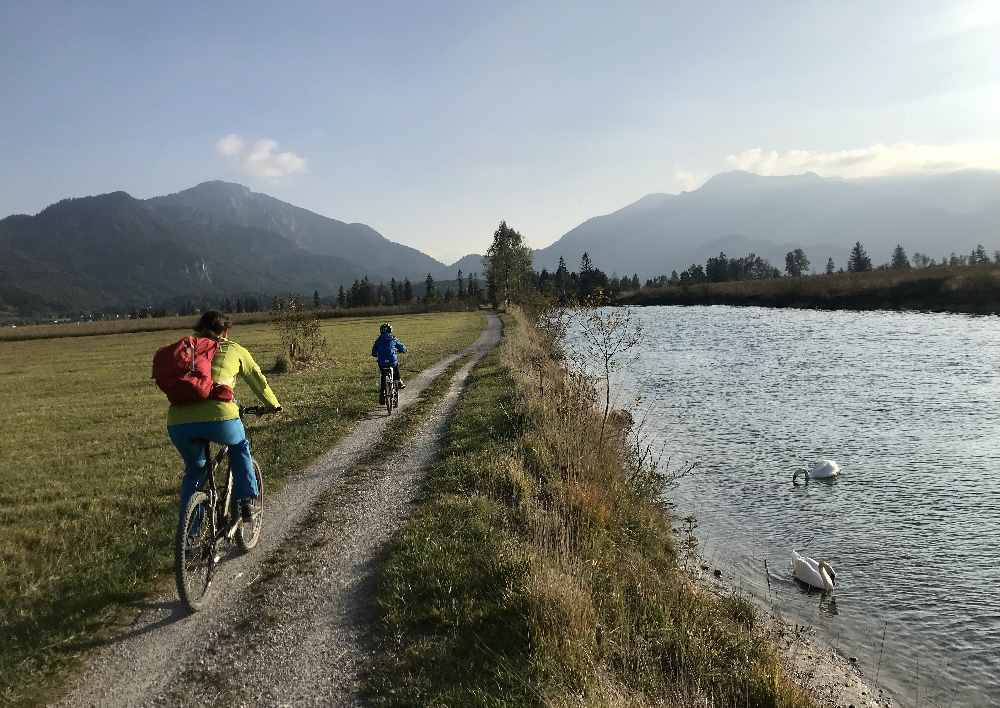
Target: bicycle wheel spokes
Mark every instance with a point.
(249, 533)
(193, 554)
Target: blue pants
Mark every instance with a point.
(189, 439)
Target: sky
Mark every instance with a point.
(433, 121)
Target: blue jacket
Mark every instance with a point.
(385, 349)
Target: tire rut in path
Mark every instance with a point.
(288, 622)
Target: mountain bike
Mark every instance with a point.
(211, 522)
(389, 393)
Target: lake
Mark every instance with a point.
(909, 405)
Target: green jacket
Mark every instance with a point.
(231, 360)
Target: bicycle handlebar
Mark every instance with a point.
(258, 410)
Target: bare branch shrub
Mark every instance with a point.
(298, 329)
(608, 335)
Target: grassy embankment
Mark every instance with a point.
(88, 479)
(540, 568)
(959, 289)
(155, 324)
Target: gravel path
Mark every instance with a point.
(286, 628)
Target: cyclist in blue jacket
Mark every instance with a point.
(384, 350)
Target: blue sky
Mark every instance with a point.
(432, 121)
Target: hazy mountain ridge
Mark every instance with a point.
(213, 240)
(934, 214)
(357, 243)
(220, 238)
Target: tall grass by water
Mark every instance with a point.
(973, 289)
(540, 567)
(89, 480)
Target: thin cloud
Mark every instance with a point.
(230, 145)
(260, 159)
(688, 181)
(874, 161)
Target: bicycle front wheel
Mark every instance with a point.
(193, 552)
(249, 533)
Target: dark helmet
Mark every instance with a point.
(385, 328)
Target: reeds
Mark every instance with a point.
(573, 548)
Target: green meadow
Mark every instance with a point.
(88, 479)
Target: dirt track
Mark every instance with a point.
(284, 627)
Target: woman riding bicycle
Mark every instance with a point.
(191, 424)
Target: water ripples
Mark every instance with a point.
(909, 405)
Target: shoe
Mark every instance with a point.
(401, 384)
(246, 511)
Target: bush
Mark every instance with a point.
(282, 364)
(299, 333)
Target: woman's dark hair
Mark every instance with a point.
(213, 323)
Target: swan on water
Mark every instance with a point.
(818, 574)
(827, 469)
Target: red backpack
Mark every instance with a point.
(183, 371)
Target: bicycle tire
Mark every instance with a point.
(390, 388)
(192, 557)
(247, 539)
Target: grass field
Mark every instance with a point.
(88, 479)
(155, 324)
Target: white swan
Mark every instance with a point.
(827, 469)
(818, 574)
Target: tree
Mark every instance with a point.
(429, 288)
(316, 302)
(899, 259)
(592, 280)
(978, 256)
(608, 336)
(796, 263)
(474, 290)
(341, 297)
(830, 267)
(461, 286)
(508, 265)
(717, 268)
(562, 281)
(407, 290)
(858, 261)
(394, 291)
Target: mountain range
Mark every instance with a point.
(114, 251)
(219, 239)
(740, 212)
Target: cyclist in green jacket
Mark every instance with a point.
(190, 424)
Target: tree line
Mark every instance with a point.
(718, 269)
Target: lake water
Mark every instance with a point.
(909, 405)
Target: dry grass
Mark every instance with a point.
(156, 324)
(89, 481)
(541, 570)
(960, 289)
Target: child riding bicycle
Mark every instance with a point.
(385, 348)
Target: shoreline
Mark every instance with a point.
(962, 289)
(828, 675)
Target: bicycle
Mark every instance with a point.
(389, 392)
(210, 522)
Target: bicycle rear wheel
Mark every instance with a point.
(390, 388)
(249, 534)
(193, 552)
